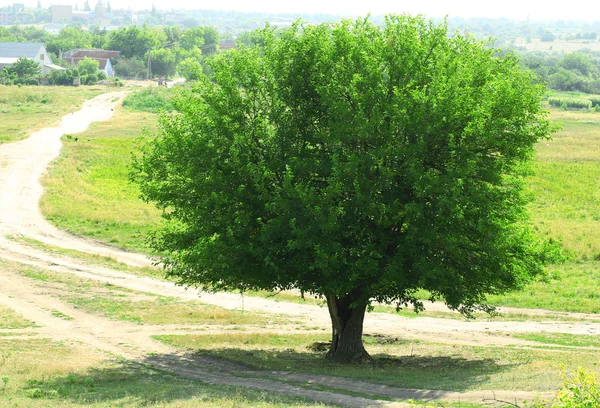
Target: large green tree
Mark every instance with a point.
(355, 162)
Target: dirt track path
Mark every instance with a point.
(21, 165)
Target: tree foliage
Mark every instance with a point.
(26, 68)
(134, 42)
(354, 162)
(163, 62)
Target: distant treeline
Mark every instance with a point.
(168, 49)
(575, 71)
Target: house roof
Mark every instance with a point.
(94, 54)
(16, 50)
(8, 60)
(55, 67)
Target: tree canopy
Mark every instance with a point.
(25, 68)
(355, 162)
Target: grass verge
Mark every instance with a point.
(562, 339)
(142, 308)
(92, 259)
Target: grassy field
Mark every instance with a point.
(28, 108)
(87, 188)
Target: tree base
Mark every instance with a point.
(356, 357)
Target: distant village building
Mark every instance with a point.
(103, 57)
(53, 28)
(10, 52)
(62, 14)
(100, 15)
(173, 18)
(6, 17)
(227, 45)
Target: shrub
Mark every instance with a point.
(572, 103)
(579, 390)
(595, 100)
(60, 78)
(91, 79)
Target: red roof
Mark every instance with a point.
(93, 54)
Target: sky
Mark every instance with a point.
(587, 10)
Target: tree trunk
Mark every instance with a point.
(347, 325)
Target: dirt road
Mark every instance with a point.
(22, 164)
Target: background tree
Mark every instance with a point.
(69, 38)
(26, 68)
(163, 62)
(190, 69)
(192, 38)
(89, 70)
(134, 42)
(354, 162)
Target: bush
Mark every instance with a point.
(572, 103)
(60, 78)
(91, 79)
(595, 100)
(579, 390)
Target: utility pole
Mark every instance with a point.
(149, 69)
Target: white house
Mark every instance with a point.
(10, 52)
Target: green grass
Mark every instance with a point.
(572, 287)
(400, 363)
(566, 206)
(563, 339)
(87, 190)
(28, 108)
(58, 313)
(151, 99)
(45, 374)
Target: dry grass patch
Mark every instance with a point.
(119, 303)
(9, 319)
